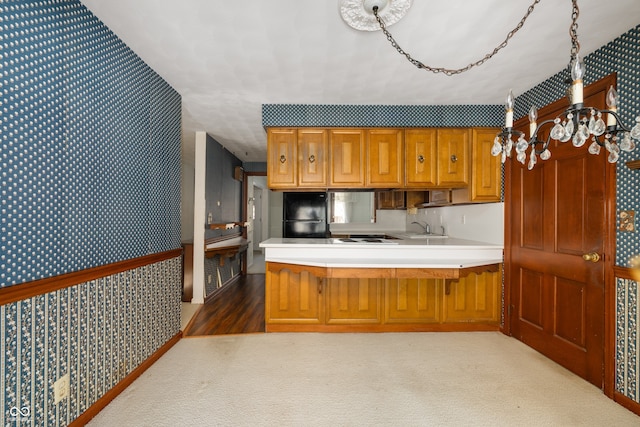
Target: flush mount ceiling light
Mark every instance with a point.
(578, 123)
(359, 14)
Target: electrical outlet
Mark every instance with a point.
(464, 219)
(209, 278)
(61, 388)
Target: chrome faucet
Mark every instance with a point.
(427, 229)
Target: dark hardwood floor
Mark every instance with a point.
(237, 309)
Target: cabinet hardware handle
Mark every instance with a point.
(312, 158)
(282, 158)
(421, 158)
(593, 257)
(320, 287)
(454, 158)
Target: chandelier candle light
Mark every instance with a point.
(578, 123)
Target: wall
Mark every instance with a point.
(223, 202)
(619, 56)
(90, 176)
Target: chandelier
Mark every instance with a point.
(578, 123)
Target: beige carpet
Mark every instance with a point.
(394, 379)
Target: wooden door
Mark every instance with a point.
(347, 152)
(453, 157)
(421, 157)
(556, 213)
(281, 158)
(312, 158)
(412, 300)
(293, 294)
(486, 176)
(385, 158)
(353, 301)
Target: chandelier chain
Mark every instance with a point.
(573, 30)
(451, 72)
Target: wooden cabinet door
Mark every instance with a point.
(473, 298)
(293, 294)
(486, 174)
(385, 158)
(412, 300)
(281, 158)
(390, 199)
(312, 158)
(453, 157)
(420, 161)
(347, 151)
(353, 301)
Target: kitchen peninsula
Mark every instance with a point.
(382, 284)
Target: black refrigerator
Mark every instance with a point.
(305, 215)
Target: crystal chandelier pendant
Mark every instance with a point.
(546, 154)
(532, 160)
(580, 136)
(521, 157)
(558, 130)
(594, 148)
(596, 126)
(568, 130)
(635, 132)
(496, 148)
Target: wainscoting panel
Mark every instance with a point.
(97, 332)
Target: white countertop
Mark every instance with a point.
(392, 253)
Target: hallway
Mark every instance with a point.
(238, 308)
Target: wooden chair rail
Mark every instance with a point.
(23, 291)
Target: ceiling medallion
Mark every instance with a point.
(359, 14)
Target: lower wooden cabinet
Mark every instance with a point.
(353, 301)
(300, 298)
(293, 295)
(412, 301)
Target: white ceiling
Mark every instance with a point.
(227, 58)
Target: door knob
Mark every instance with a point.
(593, 257)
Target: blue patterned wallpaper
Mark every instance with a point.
(90, 149)
(89, 176)
(299, 115)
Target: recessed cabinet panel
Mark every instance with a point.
(347, 153)
(453, 157)
(312, 158)
(281, 158)
(421, 158)
(412, 300)
(384, 158)
(486, 175)
(472, 298)
(293, 297)
(353, 301)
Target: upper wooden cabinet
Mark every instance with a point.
(385, 158)
(437, 158)
(421, 158)
(346, 148)
(312, 158)
(381, 158)
(486, 175)
(453, 157)
(282, 158)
